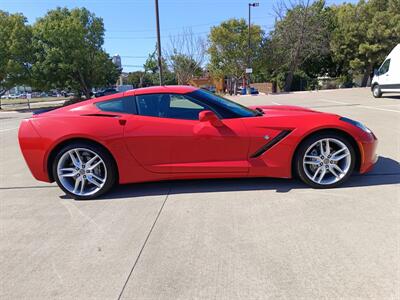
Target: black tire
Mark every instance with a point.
(109, 163)
(376, 91)
(307, 143)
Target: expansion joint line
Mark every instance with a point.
(144, 244)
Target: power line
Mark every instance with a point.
(132, 56)
(154, 37)
(133, 66)
(180, 27)
(268, 27)
(172, 28)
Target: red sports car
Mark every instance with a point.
(181, 132)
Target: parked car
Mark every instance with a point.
(124, 88)
(105, 92)
(35, 94)
(244, 91)
(209, 88)
(387, 77)
(182, 132)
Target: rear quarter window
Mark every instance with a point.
(124, 105)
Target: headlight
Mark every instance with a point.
(357, 124)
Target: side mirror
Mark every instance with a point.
(376, 72)
(209, 116)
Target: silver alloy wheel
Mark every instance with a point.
(81, 171)
(327, 161)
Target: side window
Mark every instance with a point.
(385, 67)
(173, 106)
(150, 105)
(120, 105)
(179, 101)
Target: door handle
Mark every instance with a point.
(122, 121)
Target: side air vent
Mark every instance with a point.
(271, 143)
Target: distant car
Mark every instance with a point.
(387, 78)
(124, 88)
(67, 94)
(105, 92)
(43, 95)
(210, 88)
(182, 132)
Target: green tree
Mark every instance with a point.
(151, 64)
(300, 38)
(364, 34)
(184, 67)
(139, 79)
(152, 73)
(68, 52)
(15, 51)
(228, 48)
(185, 55)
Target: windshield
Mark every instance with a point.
(226, 108)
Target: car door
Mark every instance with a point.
(202, 146)
(166, 136)
(147, 134)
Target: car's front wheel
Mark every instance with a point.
(84, 170)
(325, 160)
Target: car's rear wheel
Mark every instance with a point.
(325, 160)
(376, 91)
(84, 170)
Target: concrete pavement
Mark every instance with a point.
(209, 239)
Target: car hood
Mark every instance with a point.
(285, 110)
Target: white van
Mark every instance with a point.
(387, 78)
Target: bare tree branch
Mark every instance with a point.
(186, 54)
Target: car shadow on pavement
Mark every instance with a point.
(385, 172)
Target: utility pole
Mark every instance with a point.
(159, 44)
(254, 4)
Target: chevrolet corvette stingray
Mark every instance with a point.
(182, 132)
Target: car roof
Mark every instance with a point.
(176, 89)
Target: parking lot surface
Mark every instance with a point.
(209, 239)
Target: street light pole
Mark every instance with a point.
(249, 42)
(254, 4)
(159, 44)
